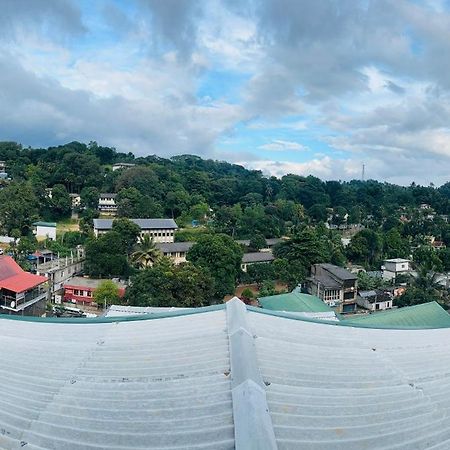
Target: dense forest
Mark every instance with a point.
(223, 199)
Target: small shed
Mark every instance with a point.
(46, 230)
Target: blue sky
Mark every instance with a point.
(284, 86)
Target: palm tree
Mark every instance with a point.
(146, 253)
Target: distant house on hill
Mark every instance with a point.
(107, 203)
(45, 230)
(122, 165)
(161, 230)
(394, 267)
(249, 259)
(21, 292)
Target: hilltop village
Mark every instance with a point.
(85, 227)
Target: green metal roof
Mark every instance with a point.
(45, 224)
(429, 315)
(294, 302)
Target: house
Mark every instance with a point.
(45, 230)
(249, 259)
(122, 165)
(394, 267)
(271, 242)
(334, 285)
(225, 377)
(374, 300)
(107, 203)
(297, 302)
(59, 271)
(81, 290)
(161, 230)
(176, 251)
(76, 200)
(21, 292)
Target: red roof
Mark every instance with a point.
(14, 278)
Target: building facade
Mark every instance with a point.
(374, 300)
(46, 230)
(336, 286)
(161, 230)
(107, 203)
(21, 293)
(81, 290)
(393, 267)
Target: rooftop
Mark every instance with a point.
(45, 224)
(89, 282)
(429, 315)
(15, 279)
(397, 260)
(256, 257)
(339, 272)
(294, 302)
(222, 377)
(145, 224)
(171, 247)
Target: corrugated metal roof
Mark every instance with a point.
(340, 388)
(173, 247)
(430, 315)
(161, 384)
(123, 310)
(106, 224)
(256, 257)
(241, 378)
(294, 302)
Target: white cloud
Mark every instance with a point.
(279, 145)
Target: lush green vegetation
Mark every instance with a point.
(216, 201)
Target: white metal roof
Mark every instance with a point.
(221, 379)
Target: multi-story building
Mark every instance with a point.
(336, 286)
(394, 267)
(59, 271)
(161, 230)
(107, 203)
(21, 292)
(176, 251)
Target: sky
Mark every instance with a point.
(317, 87)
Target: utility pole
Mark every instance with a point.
(363, 175)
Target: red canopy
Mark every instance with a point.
(14, 278)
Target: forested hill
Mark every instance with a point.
(189, 188)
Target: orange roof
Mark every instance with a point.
(14, 278)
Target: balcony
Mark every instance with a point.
(18, 302)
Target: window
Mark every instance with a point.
(89, 293)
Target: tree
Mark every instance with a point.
(221, 257)
(146, 254)
(128, 231)
(106, 256)
(167, 285)
(365, 248)
(89, 197)
(18, 208)
(107, 293)
(304, 248)
(60, 203)
(257, 242)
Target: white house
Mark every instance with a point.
(119, 166)
(374, 300)
(161, 230)
(107, 203)
(45, 230)
(393, 267)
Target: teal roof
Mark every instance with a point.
(45, 224)
(429, 315)
(294, 302)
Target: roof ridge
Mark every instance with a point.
(253, 428)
